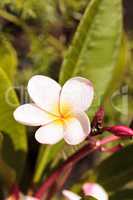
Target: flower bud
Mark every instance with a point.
(97, 122)
(120, 131)
(99, 116)
(95, 190)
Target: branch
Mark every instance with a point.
(71, 161)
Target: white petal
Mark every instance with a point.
(23, 197)
(76, 95)
(30, 198)
(76, 129)
(70, 195)
(45, 92)
(50, 134)
(31, 115)
(95, 190)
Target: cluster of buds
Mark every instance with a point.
(118, 130)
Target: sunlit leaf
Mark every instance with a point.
(95, 49)
(14, 145)
(8, 58)
(46, 154)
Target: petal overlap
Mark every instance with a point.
(76, 129)
(50, 134)
(76, 95)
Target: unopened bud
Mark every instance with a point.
(98, 118)
(121, 131)
(97, 122)
(95, 190)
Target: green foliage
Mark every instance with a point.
(45, 156)
(8, 58)
(41, 54)
(14, 140)
(125, 194)
(116, 171)
(96, 46)
(1, 140)
(7, 174)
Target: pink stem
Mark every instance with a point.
(108, 139)
(112, 149)
(15, 192)
(83, 152)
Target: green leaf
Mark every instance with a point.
(96, 46)
(117, 170)
(8, 58)
(14, 145)
(46, 154)
(125, 194)
(1, 141)
(7, 174)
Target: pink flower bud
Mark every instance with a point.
(95, 190)
(97, 123)
(121, 131)
(99, 116)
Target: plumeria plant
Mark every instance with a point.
(60, 113)
(66, 122)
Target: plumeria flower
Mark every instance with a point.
(91, 190)
(59, 111)
(95, 190)
(28, 198)
(70, 195)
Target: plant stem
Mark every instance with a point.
(71, 161)
(9, 17)
(7, 174)
(15, 20)
(15, 192)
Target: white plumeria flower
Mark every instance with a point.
(70, 195)
(90, 189)
(28, 198)
(95, 190)
(59, 111)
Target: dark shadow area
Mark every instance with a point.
(14, 158)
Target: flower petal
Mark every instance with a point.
(23, 197)
(29, 114)
(51, 133)
(30, 198)
(95, 190)
(70, 195)
(76, 95)
(76, 129)
(45, 92)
